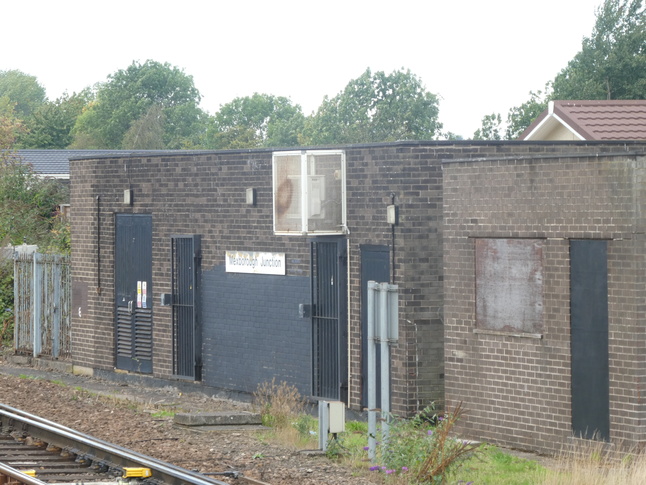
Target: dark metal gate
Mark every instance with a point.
(187, 334)
(329, 318)
(589, 339)
(133, 292)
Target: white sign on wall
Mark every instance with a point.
(255, 262)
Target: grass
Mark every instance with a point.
(597, 463)
(163, 413)
(495, 467)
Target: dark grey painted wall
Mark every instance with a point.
(252, 330)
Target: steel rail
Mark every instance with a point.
(98, 450)
(7, 471)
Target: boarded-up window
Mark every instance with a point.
(509, 285)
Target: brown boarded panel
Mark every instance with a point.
(509, 285)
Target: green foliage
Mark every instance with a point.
(376, 107)
(27, 204)
(610, 65)
(21, 90)
(611, 62)
(129, 95)
(305, 424)
(492, 466)
(50, 125)
(163, 413)
(520, 117)
(147, 132)
(260, 120)
(490, 129)
(423, 447)
(10, 127)
(6, 300)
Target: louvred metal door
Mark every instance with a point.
(133, 292)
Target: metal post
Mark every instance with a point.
(372, 371)
(37, 306)
(56, 269)
(324, 424)
(385, 361)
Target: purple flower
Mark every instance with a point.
(430, 432)
(366, 448)
(388, 472)
(375, 468)
(404, 468)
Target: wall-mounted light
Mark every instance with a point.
(127, 196)
(251, 196)
(392, 214)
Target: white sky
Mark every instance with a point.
(478, 56)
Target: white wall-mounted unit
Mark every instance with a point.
(309, 192)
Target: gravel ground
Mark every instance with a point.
(123, 415)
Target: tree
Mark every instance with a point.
(22, 90)
(129, 94)
(10, 127)
(611, 62)
(146, 133)
(28, 204)
(376, 107)
(50, 125)
(490, 129)
(520, 117)
(260, 120)
(610, 65)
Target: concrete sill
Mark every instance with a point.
(480, 331)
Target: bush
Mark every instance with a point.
(278, 404)
(423, 447)
(6, 301)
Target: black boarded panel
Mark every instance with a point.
(589, 339)
(509, 285)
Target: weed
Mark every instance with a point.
(597, 463)
(278, 404)
(305, 425)
(356, 427)
(25, 376)
(422, 447)
(58, 382)
(163, 413)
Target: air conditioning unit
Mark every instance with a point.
(309, 192)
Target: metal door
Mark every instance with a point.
(329, 318)
(133, 292)
(589, 339)
(375, 266)
(187, 334)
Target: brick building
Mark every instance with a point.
(167, 249)
(545, 277)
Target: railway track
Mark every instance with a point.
(34, 451)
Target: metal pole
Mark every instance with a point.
(385, 361)
(324, 424)
(372, 371)
(37, 306)
(56, 269)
